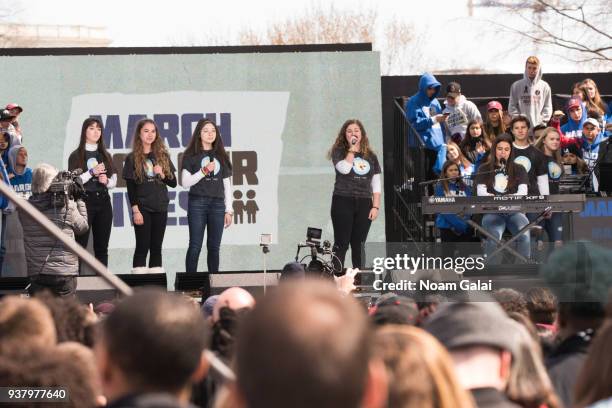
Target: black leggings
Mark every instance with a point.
(351, 225)
(100, 220)
(149, 238)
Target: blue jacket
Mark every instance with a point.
(419, 110)
(573, 129)
(452, 221)
(21, 182)
(4, 202)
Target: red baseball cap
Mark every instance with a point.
(573, 103)
(494, 105)
(14, 106)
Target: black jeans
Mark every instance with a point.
(100, 220)
(149, 239)
(351, 225)
(59, 285)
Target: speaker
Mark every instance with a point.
(193, 282)
(14, 285)
(145, 279)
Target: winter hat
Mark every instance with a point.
(464, 324)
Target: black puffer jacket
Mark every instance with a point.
(39, 244)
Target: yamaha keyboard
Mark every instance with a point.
(503, 204)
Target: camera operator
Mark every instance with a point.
(50, 264)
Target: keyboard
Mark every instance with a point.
(503, 204)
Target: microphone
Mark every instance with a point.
(353, 141)
(502, 163)
(154, 163)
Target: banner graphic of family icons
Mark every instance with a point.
(361, 167)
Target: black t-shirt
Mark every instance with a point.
(555, 171)
(92, 159)
(151, 193)
(534, 162)
(501, 181)
(212, 184)
(358, 182)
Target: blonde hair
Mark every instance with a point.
(539, 144)
(421, 372)
(533, 60)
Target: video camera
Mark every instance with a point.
(316, 265)
(67, 185)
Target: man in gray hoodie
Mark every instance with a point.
(531, 96)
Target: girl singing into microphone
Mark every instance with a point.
(98, 177)
(148, 171)
(356, 197)
(206, 172)
(499, 175)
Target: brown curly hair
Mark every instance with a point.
(158, 147)
(343, 144)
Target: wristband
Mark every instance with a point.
(91, 172)
(376, 208)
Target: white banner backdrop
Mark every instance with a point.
(251, 124)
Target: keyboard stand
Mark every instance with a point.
(506, 245)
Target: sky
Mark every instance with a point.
(446, 37)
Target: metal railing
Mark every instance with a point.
(408, 170)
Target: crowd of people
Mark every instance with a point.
(526, 149)
(307, 343)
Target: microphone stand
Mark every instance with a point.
(471, 176)
(592, 170)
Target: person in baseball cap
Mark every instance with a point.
(15, 107)
(572, 160)
(494, 105)
(15, 110)
(482, 340)
(494, 125)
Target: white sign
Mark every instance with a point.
(251, 124)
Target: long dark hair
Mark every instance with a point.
(458, 180)
(106, 157)
(486, 170)
(342, 143)
(195, 145)
(158, 148)
(468, 144)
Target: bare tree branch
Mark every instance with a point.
(560, 23)
(582, 20)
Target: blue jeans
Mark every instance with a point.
(495, 224)
(2, 239)
(202, 213)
